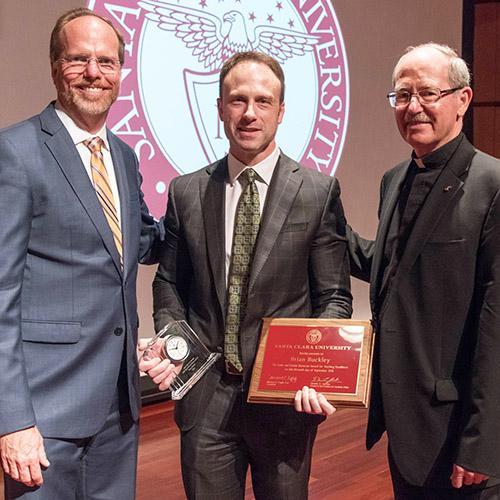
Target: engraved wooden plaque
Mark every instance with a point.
(333, 356)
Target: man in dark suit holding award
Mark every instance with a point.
(253, 235)
(73, 226)
(434, 271)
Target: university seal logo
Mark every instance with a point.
(174, 51)
(313, 336)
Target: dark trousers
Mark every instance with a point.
(102, 466)
(403, 490)
(233, 436)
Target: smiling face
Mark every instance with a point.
(428, 127)
(251, 110)
(87, 96)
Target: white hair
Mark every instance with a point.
(458, 72)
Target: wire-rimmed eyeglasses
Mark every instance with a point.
(78, 63)
(428, 95)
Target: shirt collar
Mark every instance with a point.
(78, 135)
(440, 157)
(264, 169)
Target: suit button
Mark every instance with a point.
(118, 331)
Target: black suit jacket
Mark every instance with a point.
(300, 266)
(436, 387)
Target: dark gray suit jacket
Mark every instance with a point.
(437, 371)
(300, 266)
(67, 311)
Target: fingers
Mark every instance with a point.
(42, 457)
(142, 344)
(168, 376)
(27, 472)
(307, 400)
(22, 474)
(161, 372)
(457, 476)
(461, 477)
(468, 478)
(297, 402)
(152, 351)
(473, 477)
(9, 467)
(146, 364)
(35, 475)
(326, 407)
(479, 478)
(22, 452)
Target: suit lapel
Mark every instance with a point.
(65, 154)
(444, 191)
(213, 217)
(388, 207)
(285, 184)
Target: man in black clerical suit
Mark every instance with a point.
(434, 270)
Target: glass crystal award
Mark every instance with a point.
(178, 342)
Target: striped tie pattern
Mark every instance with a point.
(246, 228)
(103, 189)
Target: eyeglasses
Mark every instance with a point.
(79, 63)
(429, 95)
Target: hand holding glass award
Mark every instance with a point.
(179, 343)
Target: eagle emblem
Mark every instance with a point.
(212, 40)
(175, 50)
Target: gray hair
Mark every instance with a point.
(458, 72)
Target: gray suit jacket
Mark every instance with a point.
(437, 375)
(67, 311)
(300, 266)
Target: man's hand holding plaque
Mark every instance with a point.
(176, 358)
(307, 400)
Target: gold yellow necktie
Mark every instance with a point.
(102, 187)
(246, 228)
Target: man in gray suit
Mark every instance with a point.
(73, 226)
(292, 263)
(434, 271)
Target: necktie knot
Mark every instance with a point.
(94, 144)
(250, 175)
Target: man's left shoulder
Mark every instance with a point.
(309, 175)
(485, 168)
(486, 160)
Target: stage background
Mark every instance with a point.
(375, 34)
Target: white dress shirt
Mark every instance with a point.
(234, 188)
(78, 136)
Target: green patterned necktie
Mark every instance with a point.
(246, 228)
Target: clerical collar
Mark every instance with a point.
(438, 158)
(264, 169)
